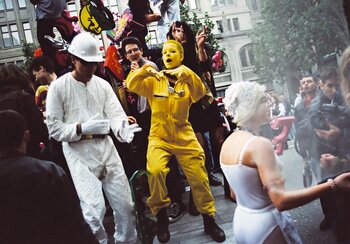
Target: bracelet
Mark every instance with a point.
(78, 129)
(331, 184)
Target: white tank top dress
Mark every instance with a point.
(255, 216)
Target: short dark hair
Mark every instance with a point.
(44, 61)
(12, 128)
(130, 40)
(309, 75)
(329, 73)
(13, 76)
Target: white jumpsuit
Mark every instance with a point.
(69, 102)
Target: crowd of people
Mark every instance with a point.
(166, 121)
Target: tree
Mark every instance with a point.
(28, 51)
(295, 35)
(196, 24)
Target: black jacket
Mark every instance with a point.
(38, 204)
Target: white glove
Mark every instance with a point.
(127, 131)
(95, 126)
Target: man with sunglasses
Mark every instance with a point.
(81, 110)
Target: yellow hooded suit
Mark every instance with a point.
(171, 133)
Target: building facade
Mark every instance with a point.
(233, 20)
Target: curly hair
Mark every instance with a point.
(242, 99)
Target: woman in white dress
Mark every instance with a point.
(254, 174)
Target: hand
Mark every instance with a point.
(95, 126)
(201, 37)
(132, 120)
(127, 131)
(151, 71)
(178, 33)
(330, 134)
(178, 72)
(157, 16)
(343, 182)
(329, 161)
(134, 66)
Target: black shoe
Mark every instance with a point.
(325, 224)
(192, 209)
(163, 233)
(213, 180)
(212, 229)
(176, 211)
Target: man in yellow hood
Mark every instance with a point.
(170, 94)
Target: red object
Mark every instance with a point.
(285, 123)
(112, 62)
(38, 52)
(217, 61)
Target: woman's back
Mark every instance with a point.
(245, 180)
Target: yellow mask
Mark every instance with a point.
(172, 54)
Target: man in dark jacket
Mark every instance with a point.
(38, 205)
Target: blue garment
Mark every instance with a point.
(172, 9)
(50, 9)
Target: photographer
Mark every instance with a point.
(328, 118)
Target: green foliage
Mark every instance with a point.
(28, 50)
(296, 34)
(191, 18)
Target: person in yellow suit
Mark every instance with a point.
(170, 94)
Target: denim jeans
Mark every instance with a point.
(172, 9)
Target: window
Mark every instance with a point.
(113, 6)
(246, 55)
(8, 4)
(219, 3)
(5, 34)
(21, 3)
(10, 36)
(72, 9)
(254, 5)
(229, 27)
(192, 4)
(236, 26)
(27, 33)
(219, 24)
(152, 37)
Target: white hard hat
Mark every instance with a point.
(85, 46)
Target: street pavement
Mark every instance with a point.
(189, 229)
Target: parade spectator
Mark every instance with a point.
(42, 68)
(285, 103)
(138, 106)
(81, 110)
(14, 84)
(142, 16)
(170, 94)
(171, 8)
(277, 107)
(47, 13)
(254, 173)
(38, 204)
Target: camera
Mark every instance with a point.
(319, 121)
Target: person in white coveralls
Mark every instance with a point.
(81, 110)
